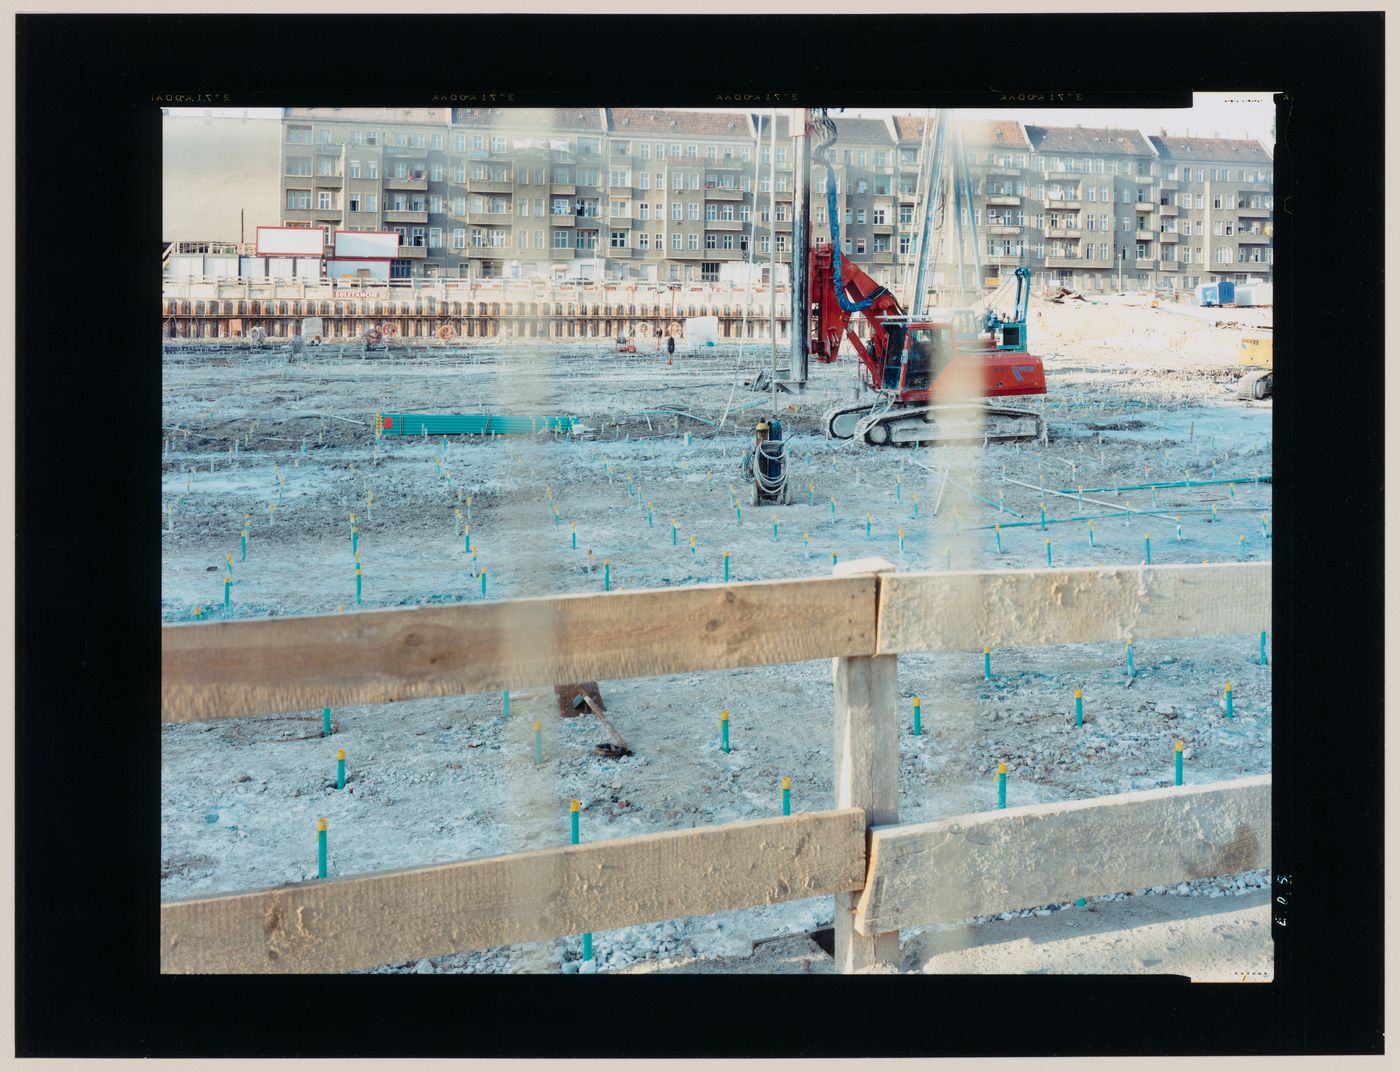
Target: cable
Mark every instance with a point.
(768, 450)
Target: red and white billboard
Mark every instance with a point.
(366, 245)
(290, 241)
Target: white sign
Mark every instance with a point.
(371, 244)
(290, 241)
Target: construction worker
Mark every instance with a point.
(670, 345)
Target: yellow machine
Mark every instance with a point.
(1257, 352)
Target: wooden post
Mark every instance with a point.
(867, 771)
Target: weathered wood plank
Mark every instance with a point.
(257, 667)
(973, 865)
(867, 770)
(1004, 609)
(335, 925)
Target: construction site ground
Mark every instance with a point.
(1136, 395)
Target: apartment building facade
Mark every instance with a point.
(673, 196)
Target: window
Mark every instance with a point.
(860, 244)
(695, 180)
(645, 150)
(644, 180)
(905, 243)
(711, 240)
(643, 240)
(617, 239)
(372, 169)
(906, 214)
(763, 243)
(326, 166)
(561, 239)
(560, 206)
(619, 178)
(617, 208)
(726, 211)
(586, 240)
(860, 156)
(676, 241)
(692, 152)
(860, 215)
(861, 185)
(524, 204)
(459, 238)
(746, 214)
(711, 211)
(677, 211)
(299, 135)
(882, 185)
(298, 198)
(1141, 251)
(694, 210)
(679, 182)
(434, 237)
(642, 211)
(726, 241)
(298, 165)
(371, 202)
(882, 243)
(692, 241)
(881, 158)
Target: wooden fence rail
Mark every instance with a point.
(861, 619)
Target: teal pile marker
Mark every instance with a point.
(898, 483)
(833, 508)
(228, 583)
(325, 722)
(811, 490)
(649, 515)
(243, 557)
(1229, 700)
(673, 532)
(1001, 785)
(340, 769)
(998, 539)
(775, 528)
(1091, 533)
(538, 759)
(573, 840)
(867, 526)
(607, 575)
(806, 545)
(1042, 517)
(901, 541)
(1049, 561)
(1079, 707)
(726, 567)
(1131, 669)
(787, 795)
(833, 556)
(986, 663)
(1263, 656)
(505, 703)
(483, 582)
(918, 718)
(573, 535)
(321, 848)
(1147, 546)
(1179, 747)
(724, 731)
(1178, 529)
(916, 508)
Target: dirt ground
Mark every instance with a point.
(1136, 395)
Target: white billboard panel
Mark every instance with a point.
(366, 244)
(290, 241)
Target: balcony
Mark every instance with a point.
(395, 182)
(330, 182)
(1146, 206)
(1169, 236)
(406, 152)
(1070, 262)
(564, 219)
(882, 228)
(563, 189)
(480, 219)
(392, 215)
(1243, 211)
(1168, 210)
(783, 195)
(1004, 229)
(327, 214)
(1012, 172)
(725, 225)
(1145, 263)
(296, 215)
(1072, 233)
(1169, 266)
(726, 254)
(1016, 258)
(491, 186)
(618, 253)
(328, 148)
(1255, 187)
(883, 257)
(416, 253)
(1259, 237)
(722, 193)
(1169, 185)
(1003, 199)
(565, 254)
(619, 223)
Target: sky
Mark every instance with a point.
(1232, 115)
